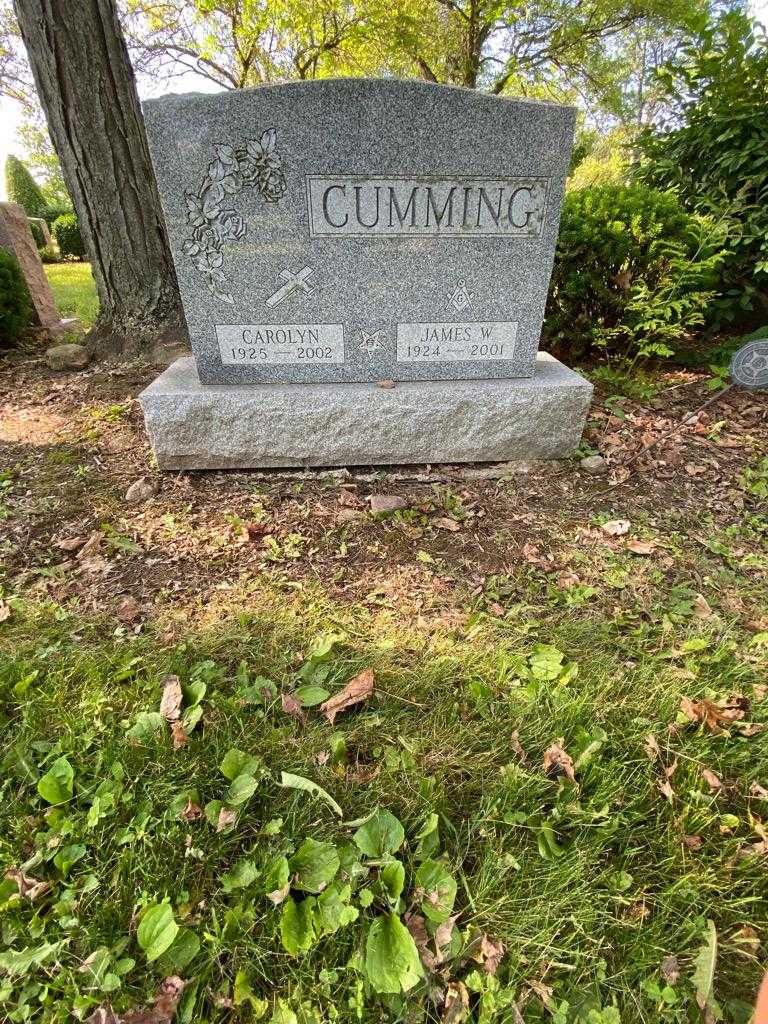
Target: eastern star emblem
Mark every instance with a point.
(371, 342)
(461, 298)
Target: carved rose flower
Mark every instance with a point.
(230, 225)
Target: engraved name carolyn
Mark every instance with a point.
(426, 206)
(280, 343)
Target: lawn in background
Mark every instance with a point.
(74, 290)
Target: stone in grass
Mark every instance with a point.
(67, 357)
(140, 490)
(594, 464)
(383, 503)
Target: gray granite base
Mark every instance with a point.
(242, 426)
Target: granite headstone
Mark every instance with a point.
(15, 235)
(358, 230)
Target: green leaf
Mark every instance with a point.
(180, 953)
(68, 856)
(437, 889)
(157, 930)
(314, 865)
(243, 993)
(391, 958)
(428, 837)
(381, 835)
(242, 789)
(283, 1014)
(147, 727)
(310, 696)
(193, 692)
(289, 781)
(240, 875)
(393, 879)
(296, 928)
(191, 718)
(237, 762)
(55, 786)
(276, 874)
(332, 909)
(18, 962)
(704, 973)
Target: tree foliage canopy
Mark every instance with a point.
(22, 188)
(713, 148)
(558, 49)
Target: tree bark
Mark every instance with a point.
(87, 89)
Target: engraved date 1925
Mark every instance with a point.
(318, 353)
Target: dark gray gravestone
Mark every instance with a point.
(358, 230)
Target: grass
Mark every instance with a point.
(513, 637)
(589, 886)
(74, 290)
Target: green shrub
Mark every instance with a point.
(68, 238)
(15, 307)
(49, 255)
(713, 150)
(37, 234)
(633, 272)
(21, 188)
(54, 211)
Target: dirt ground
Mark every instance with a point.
(71, 444)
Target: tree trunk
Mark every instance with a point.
(86, 86)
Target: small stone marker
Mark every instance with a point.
(341, 233)
(16, 236)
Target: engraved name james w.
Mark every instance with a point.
(351, 205)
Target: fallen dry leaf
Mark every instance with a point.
(226, 818)
(417, 926)
(641, 547)
(544, 992)
(292, 707)
(759, 791)
(348, 499)
(715, 715)
(670, 970)
(128, 610)
(29, 888)
(446, 524)
(103, 1014)
(693, 842)
(701, 607)
(358, 689)
(386, 384)
(278, 895)
(747, 940)
(490, 954)
(164, 1009)
(180, 738)
(170, 702)
(70, 543)
(5, 611)
(557, 762)
(91, 546)
(192, 811)
(566, 580)
(711, 780)
(455, 1004)
(651, 747)
(514, 742)
(665, 788)
(616, 527)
